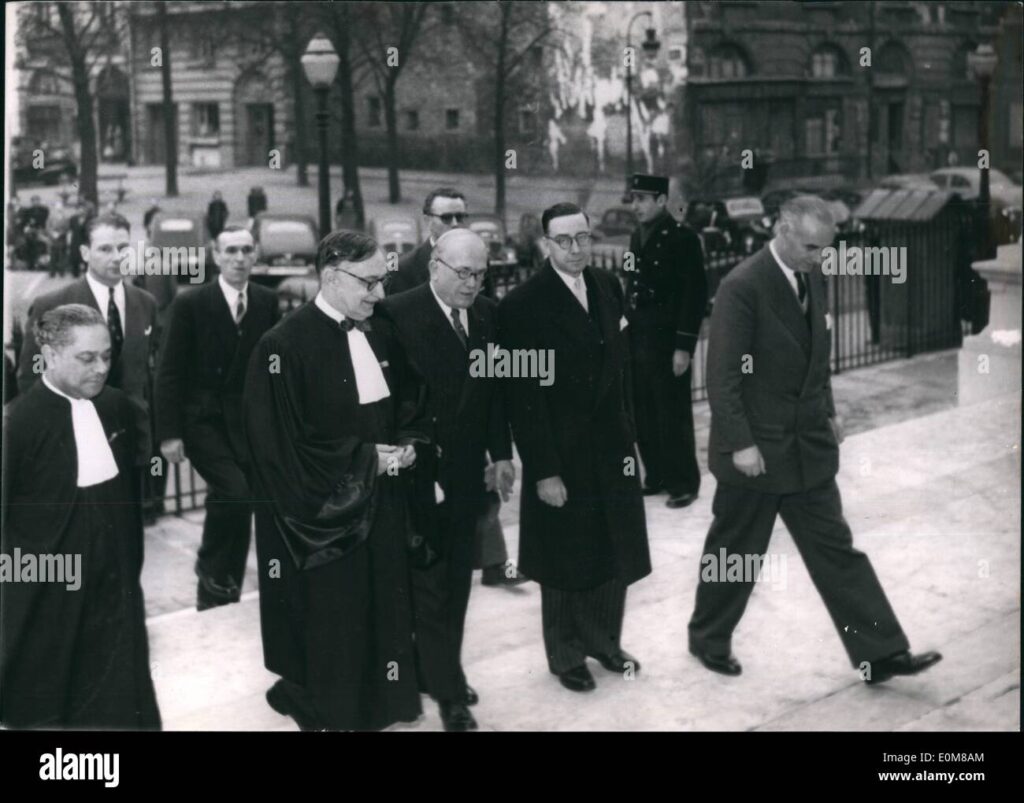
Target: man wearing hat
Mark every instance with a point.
(668, 296)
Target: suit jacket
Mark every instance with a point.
(769, 379)
(466, 413)
(668, 289)
(203, 364)
(413, 269)
(136, 360)
(580, 428)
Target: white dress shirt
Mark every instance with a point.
(577, 286)
(102, 295)
(463, 316)
(370, 380)
(790, 276)
(96, 462)
(231, 295)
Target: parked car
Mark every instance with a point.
(286, 245)
(616, 224)
(1004, 194)
(183, 230)
(57, 163)
(733, 224)
(501, 252)
(908, 181)
(396, 232)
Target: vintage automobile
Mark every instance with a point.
(617, 223)
(396, 232)
(184, 230)
(733, 224)
(286, 246)
(57, 163)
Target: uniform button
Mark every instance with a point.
(655, 262)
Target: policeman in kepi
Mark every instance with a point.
(668, 296)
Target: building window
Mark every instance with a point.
(44, 83)
(527, 123)
(828, 62)
(675, 54)
(373, 111)
(727, 61)
(205, 120)
(451, 119)
(821, 134)
(412, 120)
(44, 124)
(203, 50)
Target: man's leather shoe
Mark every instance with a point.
(282, 700)
(578, 679)
(470, 697)
(723, 664)
(619, 662)
(902, 663)
(652, 490)
(456, 717)
(681, 500)
(499, 576)
(210, 594)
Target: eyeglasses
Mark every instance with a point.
(583, 239)
(371, 284)
(239, 249)
(451, 217)
(464, 274)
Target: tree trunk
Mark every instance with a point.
(170, 123)
(391, 121)
(499, 115)
(298, 80)
(87, 176)
(350, 145)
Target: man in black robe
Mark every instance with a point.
(326, 401)
(73, 649)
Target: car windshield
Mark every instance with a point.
(293, 236)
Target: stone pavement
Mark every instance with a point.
(931, 490)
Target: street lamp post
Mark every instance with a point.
(320, 63)
(650, 47)
(983, 64)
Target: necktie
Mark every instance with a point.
(580, 291)
(801, 290)
(114, 325)
(459, 329)
(240, 309)
(347, 325)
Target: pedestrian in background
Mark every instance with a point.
(257, 201)
(216, 216)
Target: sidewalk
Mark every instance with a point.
(931, 491)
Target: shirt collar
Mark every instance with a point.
(230, 293)
(790, 273)
(55, 389)
(102, 292)
(327, 309)
(569, 279)
(444, 307)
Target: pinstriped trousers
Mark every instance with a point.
(581, 623)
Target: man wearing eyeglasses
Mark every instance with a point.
(443, 210)
(583, 533)
(331, 414)
(441, 325)
(213, 330)
(668, 297)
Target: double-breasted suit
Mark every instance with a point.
(199, 400)
(467, 421)
(768, 385)
(580, 428)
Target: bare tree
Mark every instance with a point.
(339, 19)
(170, 119)
(503, 35)
(75, 37)
(390, 31)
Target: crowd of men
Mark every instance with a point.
(374, 461)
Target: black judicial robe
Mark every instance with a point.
(73, 658)
(341, 626)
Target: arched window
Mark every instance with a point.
(828, 61)
(44, 83)
(728, 61)
(893, 59)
